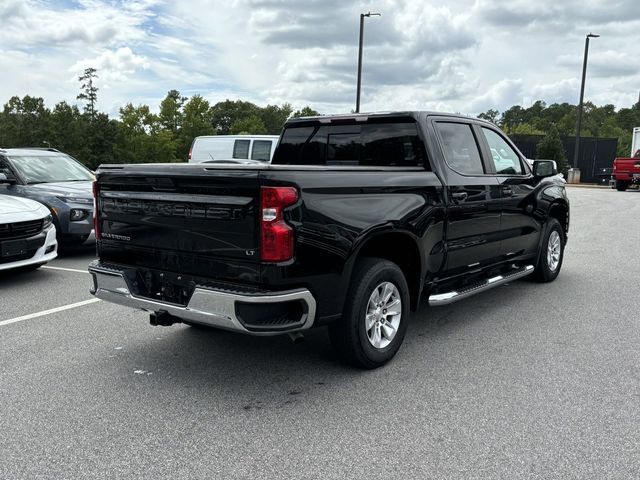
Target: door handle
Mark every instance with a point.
(507, 192)
(459, 197)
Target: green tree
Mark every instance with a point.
(511, 118)
(197, 121)
(68, 131)
(140, 138)
(305, 112)
(527, 129)
(550, 148)
(25, 122)
(490, 115)
(273, 117)
(224, 114)
(89, 92)
(171, 114)
(248, 126)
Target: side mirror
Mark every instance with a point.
(545, 168)
(5, 179)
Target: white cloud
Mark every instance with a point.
(565, 90)
(453, 55)
(608, 63)
(113, 66)
(505, 92)
(31, 24)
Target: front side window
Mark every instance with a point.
(241, 149)
(50, 168)
(504, 157)
(460, 148)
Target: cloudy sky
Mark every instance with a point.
(451, 55)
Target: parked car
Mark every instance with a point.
(356, 220)
(233, 148)
(56, 180)
(27, 233)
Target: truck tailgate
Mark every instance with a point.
(188, 216)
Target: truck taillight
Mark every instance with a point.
(276, 235)
(96, 212)
(190, 150)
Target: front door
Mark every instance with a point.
(520, 230)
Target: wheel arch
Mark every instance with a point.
(404, 252)
(559, 209)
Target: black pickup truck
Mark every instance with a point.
(357, 218)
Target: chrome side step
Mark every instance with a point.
(455, 295)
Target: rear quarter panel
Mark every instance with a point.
(339, 211)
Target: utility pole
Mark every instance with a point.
(574, 173)
(362, 15)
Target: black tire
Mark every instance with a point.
(621, 186)
(74, 240)
(349, 335)
(544, 271)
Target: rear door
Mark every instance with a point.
(473, 211)
(520, 231)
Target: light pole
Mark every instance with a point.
(362, 15)
(579, 121)
(45, 142)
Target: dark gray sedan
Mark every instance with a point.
(56, 180)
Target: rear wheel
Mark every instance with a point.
(621, 186)
(551, 253)
(375, 315)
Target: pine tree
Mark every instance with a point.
(89, 91)
(550, 148)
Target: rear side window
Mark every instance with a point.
(389, 144)
(460, 148)
(261, 150)
(241, 149)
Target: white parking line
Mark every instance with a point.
(66, 269)
(47, 312)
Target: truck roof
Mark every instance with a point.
(365, 116)
(40, 152)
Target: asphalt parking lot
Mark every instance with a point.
(525, 381)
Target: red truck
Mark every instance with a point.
(626, 171)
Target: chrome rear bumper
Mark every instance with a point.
(206, 306)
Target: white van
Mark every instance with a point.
(233, 148)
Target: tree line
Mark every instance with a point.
(138, 134)
(560, 119)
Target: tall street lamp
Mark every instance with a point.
(362, 15)
(579, 121)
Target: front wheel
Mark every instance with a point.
(621, 186)
(551, 253)
(375, 315)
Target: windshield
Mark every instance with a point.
(50, 168)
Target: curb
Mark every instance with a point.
(588, 185)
